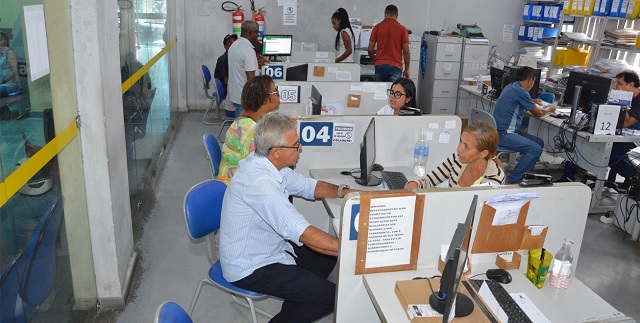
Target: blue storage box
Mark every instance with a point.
(522, 32)
(526, 15)
(536, 12)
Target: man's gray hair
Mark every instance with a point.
(247, 26)
(270, 132)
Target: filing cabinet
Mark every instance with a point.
(414, 52)
(439, 72)
(474, 62)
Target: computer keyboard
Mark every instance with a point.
(508, 304)
(394, 180)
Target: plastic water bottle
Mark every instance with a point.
(560, 271)
(479, 82)
(421, 153)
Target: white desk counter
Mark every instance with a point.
(558, 305)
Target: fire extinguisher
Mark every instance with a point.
(259, 18)
(237, 17)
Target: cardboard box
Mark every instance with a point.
(464, 122)
(502, 260)
(416, 292)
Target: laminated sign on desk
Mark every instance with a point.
(501, 225)
(389, 228)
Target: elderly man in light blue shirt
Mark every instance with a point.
(266, 245)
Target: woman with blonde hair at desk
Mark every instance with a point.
(259, 96)
(473, 163)
(401, 94)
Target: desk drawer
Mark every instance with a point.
(445, 89)
(443, 106)
(447, 70)
(448, 52)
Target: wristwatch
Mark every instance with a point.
(340, 188)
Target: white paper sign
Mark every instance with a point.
(343, 132)
(290, 15)
(36, 41)
(343, 76)
(390, 231)
(606, 119)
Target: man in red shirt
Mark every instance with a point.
(393, 45)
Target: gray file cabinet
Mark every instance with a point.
(438, 85)
(474, 62)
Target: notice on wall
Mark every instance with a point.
(507, 33)
(289, 15)
(390, 231)
(36, 41)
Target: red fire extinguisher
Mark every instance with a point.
(259, 18)
(237, 17)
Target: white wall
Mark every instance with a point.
(207, 24)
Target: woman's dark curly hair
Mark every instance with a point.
(255, 92)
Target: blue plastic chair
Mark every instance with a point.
(40, 273)
(202, 211)
(486, 117)
(11, 307)
(547, 97)
(213, 153)
(216, 97)
(170, 312)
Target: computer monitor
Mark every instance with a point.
(595, 89)
(447, 300)
(510, 74)
(316, 101)
(368, 156)
(277, 45)
(297, 73)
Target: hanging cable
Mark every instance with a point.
(225, 6)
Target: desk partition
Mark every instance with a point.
(317, 72)
(563, 207)
(395, 138)
(371, 95)
(312, 57)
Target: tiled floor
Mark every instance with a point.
(172, 264)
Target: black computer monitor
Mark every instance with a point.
(277, 45)
(444, 299)
(316, 101)
(595, 89)
(510, 74)
(368, 156)
(297, 73)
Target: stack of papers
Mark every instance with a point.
(578, 37)
(625, 37)
(635, 152)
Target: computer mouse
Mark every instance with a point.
(499, 275)
(377, 168)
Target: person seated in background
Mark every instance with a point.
(620, 165)
(401, 94)
(222, 72)
(266, 244)
(513, 102)
(259, 96)
(474, 162)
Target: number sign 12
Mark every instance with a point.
(289, 93)
(316, 133)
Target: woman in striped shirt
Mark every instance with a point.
(473, 163)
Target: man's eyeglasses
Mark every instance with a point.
(395, 94)
(297, 147)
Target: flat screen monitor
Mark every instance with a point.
(595, 89)
(447, 300)
(368, 156)
(297, 73)
(277, 45)
(510, 74)
(316, 101)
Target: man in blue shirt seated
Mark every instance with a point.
(266, 245)
(513, 102)
(626, 81)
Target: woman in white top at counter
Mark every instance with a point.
(401, 94)
(345, 44)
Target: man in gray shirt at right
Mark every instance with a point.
(242, 62)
